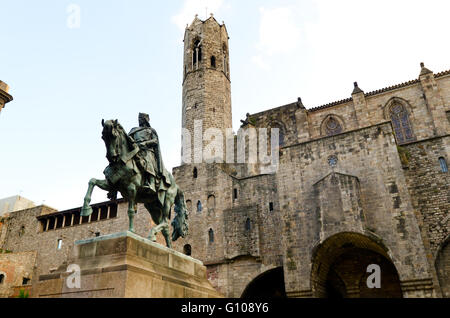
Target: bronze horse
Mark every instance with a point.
(124, 175)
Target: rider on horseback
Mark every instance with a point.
(149, 157)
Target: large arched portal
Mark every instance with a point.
(342, 269)
(443, 268)
(267, 285)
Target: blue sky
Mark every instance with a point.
(126, 58)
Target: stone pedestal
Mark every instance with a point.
(124, 265)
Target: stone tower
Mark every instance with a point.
(4, 96)
(206, 78)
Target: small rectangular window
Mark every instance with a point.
(43, 225)
(76, 218)
(84, 219)
(68, 220)
(59, 221)
(104, 212)
(59, 246)
(271, 206)
(51, 223)
(95, 214)
(113, 211)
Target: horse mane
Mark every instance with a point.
(129, 140)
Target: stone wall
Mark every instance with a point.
(371, 156)
(16, 269)
(429, 187)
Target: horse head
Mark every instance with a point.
(112, 135)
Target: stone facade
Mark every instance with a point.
(361, 178)
(16, 271)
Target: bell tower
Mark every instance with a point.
(206, 77)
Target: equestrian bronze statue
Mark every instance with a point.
(136, 170)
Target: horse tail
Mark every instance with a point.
(179, 223)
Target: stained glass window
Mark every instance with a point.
(402, 126)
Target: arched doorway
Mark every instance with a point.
(443, 268)
(270, 284)
(341, 268)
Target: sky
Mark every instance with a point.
(70, 64)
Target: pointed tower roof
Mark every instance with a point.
(300, 103)
(357, 90)
(424, 70)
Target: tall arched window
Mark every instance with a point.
(213, 61)
(332, 127)
(189, 206)
(401, 123)
(248, 225)
(195, 173)
(211, 236)
(225, 58)
(211, 202)
(197, 54)
(443, 163)
(2, 278)
(199, 206)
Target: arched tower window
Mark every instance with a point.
(211, 235)
(443, 163)
(248, 225)
(187, 250)
(2, 278)
(213, 61)
(197, 54)
(211, 202)
(189, 206)
(332, 127)
(199, 206)
(225, 58)
(195, 173)
(401, 123)
(22, 230)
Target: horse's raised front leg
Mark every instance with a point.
(102, 184)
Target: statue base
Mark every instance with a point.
(125, 265)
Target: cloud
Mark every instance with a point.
(193, 7)
(279, 33)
